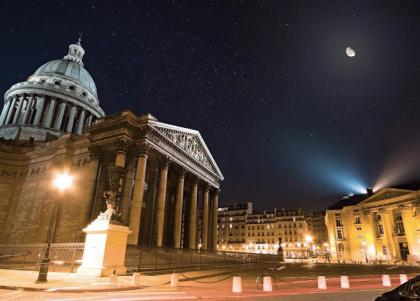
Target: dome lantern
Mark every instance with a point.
(76, 53)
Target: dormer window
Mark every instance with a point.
(84, 93)
(57, 83)
(72, 88)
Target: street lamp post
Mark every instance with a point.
(62, 182)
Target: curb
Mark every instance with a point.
(70, 290)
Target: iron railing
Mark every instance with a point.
(67, 257)
(154, 259)
(64, 257)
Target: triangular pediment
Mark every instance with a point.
(189, 141)
(385, 193)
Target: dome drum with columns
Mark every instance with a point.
(60, 97)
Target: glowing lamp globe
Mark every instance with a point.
(63, 181)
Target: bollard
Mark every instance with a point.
(386, 280)
(174, 280)
(403, 278)
(344, 281)
(267, 284)
(136, 279)
(236, 284)
(322, 283)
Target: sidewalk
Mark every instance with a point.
(71, 282)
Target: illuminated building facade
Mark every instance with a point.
(161, 178)
(232, 227)
(317, 227)
(243, 230)
(382, 226)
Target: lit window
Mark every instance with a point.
(339, 233)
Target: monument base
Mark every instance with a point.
(105, 247)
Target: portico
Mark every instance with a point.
(162, 175)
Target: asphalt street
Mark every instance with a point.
(293, 282)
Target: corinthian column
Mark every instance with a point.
(19, 108)
(28, 110)
(127, 190)
(12, 106)
(39, 109)
(215, 207)
(137, 199)
(205, 219)
(192, 217)
(4, 112)
(81, 122)
(60, 115)
(160, 205)
(71, 119)
(178, 210)
(50, 113)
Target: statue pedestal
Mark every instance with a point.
(105, 248)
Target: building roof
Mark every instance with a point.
(358, 198)
(349, 201)
(70, 70)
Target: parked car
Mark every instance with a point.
(405, 292)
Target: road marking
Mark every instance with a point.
(155, 297)
(152, 295)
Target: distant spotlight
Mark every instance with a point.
(359, 188)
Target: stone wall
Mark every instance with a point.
(28, 195)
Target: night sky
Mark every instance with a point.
(289, 118)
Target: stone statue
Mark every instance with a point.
(110, 214)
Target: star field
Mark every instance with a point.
(267, 83)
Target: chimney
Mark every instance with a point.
(369, 191)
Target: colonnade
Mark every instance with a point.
(160, 202)
(49, 112)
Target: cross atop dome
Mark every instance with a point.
(76, 52)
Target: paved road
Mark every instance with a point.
(295, 282)
(138, 295)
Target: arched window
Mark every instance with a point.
(57, 83)
(84, 93)
(72, 87)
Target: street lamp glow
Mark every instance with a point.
(63, 181)
(308, 238)
(371, 250)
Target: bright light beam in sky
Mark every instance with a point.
(339, 177)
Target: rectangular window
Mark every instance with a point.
(399, 226)
(380, 229)
(340, 233)
(384, 250)
(338, 223)
(357, 219)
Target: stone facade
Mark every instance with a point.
(240, 229)
(160, 178)
(382, 226)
